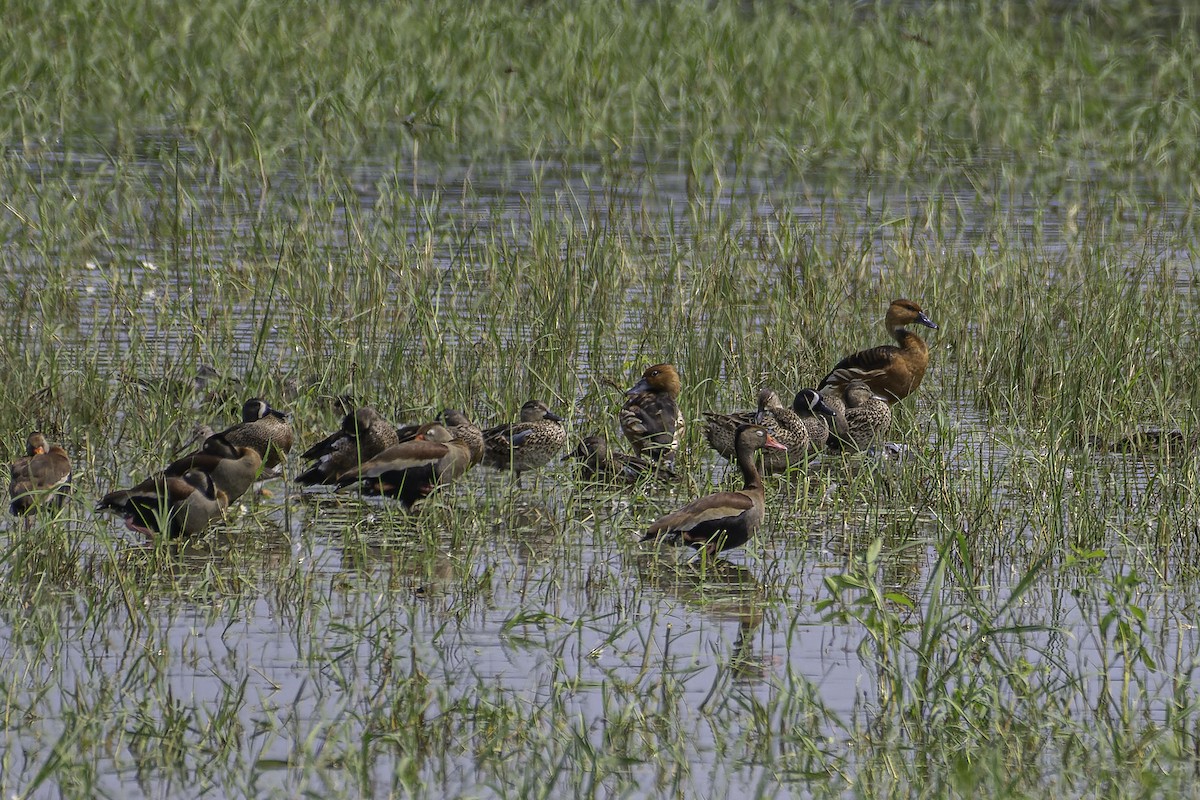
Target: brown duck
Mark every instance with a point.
(265, 429)
(411, 470)
(457, 423)
(39, 479)
(868, 416)
(233, 470)
(525, 445)
(363, 435)
(651, 418)
(176, 506)
(801, 429)
(892, 371)
(722, 520)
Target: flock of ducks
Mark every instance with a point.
(849, 410)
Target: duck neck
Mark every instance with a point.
(745, 462)
(910, 341)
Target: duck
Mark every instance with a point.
(457, 423)
(265, 429)
(39, 479)
(233, 470)
(802, 432)
(363, 434)
(892, 371)
(411, 470)
(174, 506)
(868, 416)
(651, 418)
(599, 463)
(525, 445)
(723, 520)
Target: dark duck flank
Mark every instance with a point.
(411, 470)
(599, 463)
(265, 429)
(651, 419)
(175, 506)
(892, 371)
(722, 520)
(233, 470)
(363, 435)
(525, 445)
(39, 479)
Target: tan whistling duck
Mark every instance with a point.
(363, 435)
(176, 506)
(651, 418)
(411, 470)
(892, 371)
(725, 519)
(527, 444)
(39, 479)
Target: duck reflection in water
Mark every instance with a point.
(722, 591)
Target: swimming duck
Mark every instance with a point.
(265, 429)
(868, 416)
(799, 429)
(411, 470)
(598, 463)
(722, 520)
(39, 479)
(233, 470)
(892, 371)
(176, 506)
(363, 435)
(527, 444)
(651, 418)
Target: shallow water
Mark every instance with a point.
(529, 628)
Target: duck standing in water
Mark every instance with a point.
(265, 429)
(411, 470)
(233, 471)
(892, 371)
(868, 416)
(722, 520)
(525, 445)
(363, 435)
(39, 479)
(651, 418)
(175, 506)
(799, 429)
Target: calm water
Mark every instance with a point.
(543, 604)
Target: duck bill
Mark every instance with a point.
(821, 408)
(550, 415)
(773, 443)
(639, 387)
(926, 321)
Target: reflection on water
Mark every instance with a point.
(722, 591)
